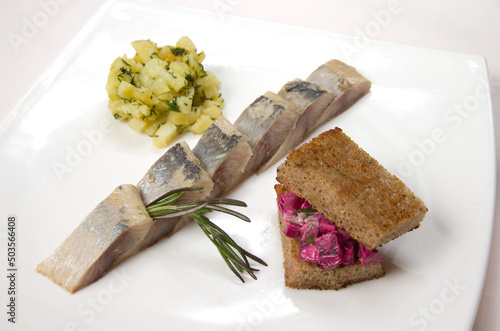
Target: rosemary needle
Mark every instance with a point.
(236, 258)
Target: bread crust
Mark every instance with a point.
(351, 189)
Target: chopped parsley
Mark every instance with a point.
(125, 100)
(190, 78)
(173, 106)
(178, 51)
(172, 74)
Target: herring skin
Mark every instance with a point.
(175, 169)
(267, 121)
(310, 102)
(223, 152)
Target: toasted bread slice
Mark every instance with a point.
(305, 275)
(351, 189)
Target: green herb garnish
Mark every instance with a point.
(235, 257)
(307, 211)
(173, 106)
(178, 51)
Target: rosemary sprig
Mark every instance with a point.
(236, 258)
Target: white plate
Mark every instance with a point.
(427, 119)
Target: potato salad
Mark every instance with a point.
(164, 91)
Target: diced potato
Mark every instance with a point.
(160, 87)
(122, 69)
(182, 69)
(210, 85)
(185, 104)
(113, 82)
(201, 124)
(152, 126)
(129, 67)
(162, 108)
(165, 97)
(155, 67)
(114, 97)
(114, 105)
(116, 111)
(136, 109)
(211, 91)
(201, 56)
(194, 116)
(183, 119)
(137, 124)
(178, 118)
(162, 91)
(146, 96)
(126, 91)
(175, 81)
(195, 64)
(213, 111)
(164, 135)
(146, 50)
(186, 43)
(166, 54)
(152, 70)
(148, 113)
(218, 99)
(217, 102)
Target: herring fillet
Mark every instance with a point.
(223, 152)
(346, 83)
(310, 101)
(267, 121)
(177, 168)
(110, 230)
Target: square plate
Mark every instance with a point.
(427, 119)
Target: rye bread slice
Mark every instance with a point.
(306, 275)
(351, 189)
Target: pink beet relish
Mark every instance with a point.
(321, 242)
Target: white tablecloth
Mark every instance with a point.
(456, 26)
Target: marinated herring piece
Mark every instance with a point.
(103, 238)
(310, 102)
(223, 152)
(177, 168)
(346, 83)
(267, 122)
